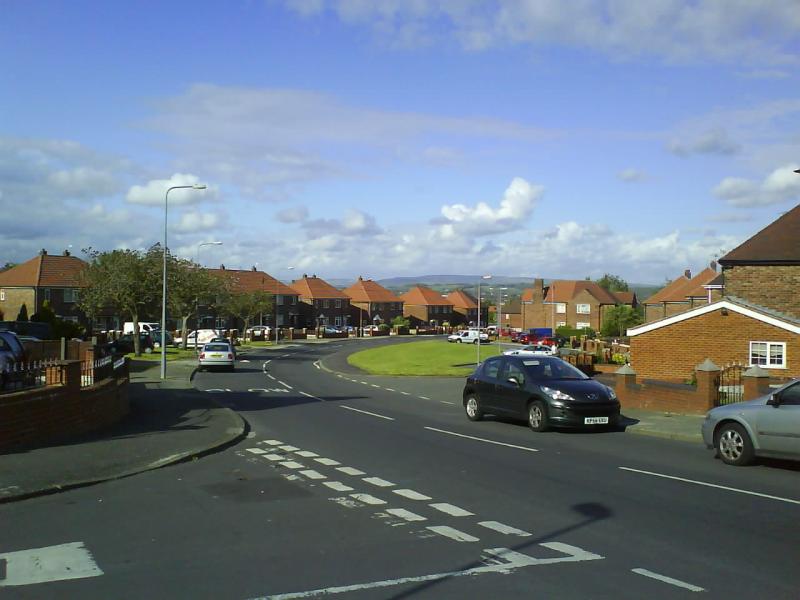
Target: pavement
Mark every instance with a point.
(169, 422)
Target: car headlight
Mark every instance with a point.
(612, 395)
(556, 394)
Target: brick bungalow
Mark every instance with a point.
(243, 281)
(465, 309)
(51, 278)
(371, 303)
(683, 293)
(321, 303)
(572, 303)
(424, 306)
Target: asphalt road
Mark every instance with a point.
(372, 487)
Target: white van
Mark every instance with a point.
(470, 336)
(144, 327)
(196, 338)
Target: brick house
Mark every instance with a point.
(684, 293)
(765, 269)
(511, 314)
(726, 331)
(243, 281)
(579, 304)
(51, 278)
(321, 303)
(424, 306)
(371, 303)
(465, 309)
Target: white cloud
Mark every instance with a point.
(294, 214)
(193, 222)
(153, 192)
(673, 30)
(715, 141)
(781, 185)
(632, 175)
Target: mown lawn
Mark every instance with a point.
(432, 357)
(172, 354)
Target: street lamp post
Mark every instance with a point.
(500, 311)
(197, 300)
(196, 186)
(276, 305)
(479, 317)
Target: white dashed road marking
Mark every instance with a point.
(312, 474)
(327, 461)
(507, 529)
(453, 534)
(366, 412)
(367, 499)
(350, 471)
(670, 580)
(477, 439)
(454, 511)
(273, 442)
(274, 457)
(378, 481)
(339, 487)
(256, 451)
(51, 563)
(307, 454)
(404, 514)
(288, 448)
(423, 397)
(286, 385)
(314, 397)
(411, 495)
(290, 464)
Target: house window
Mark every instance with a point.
(279, 300)
(561, 308)
(2, 295)
(770, 355)
(294, 299)
(70, 318)
(326, 303)
(70, 295)
(338, 305)
(338, 321)
(583, 309)
(47, 294)
(582, 325)
(561, 324)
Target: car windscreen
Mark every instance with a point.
(541, 368)
(216, 348)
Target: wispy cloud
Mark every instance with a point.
(781, 185)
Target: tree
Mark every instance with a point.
(188, 284)
(612, 283)
(22, 315)
(58, 327)
(247, 305)
(400, 321)
(618, 319)
(128, 281)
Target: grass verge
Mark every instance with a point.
(431, 358)
(172, 354)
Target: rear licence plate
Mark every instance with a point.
(595, 421)
(216, 355)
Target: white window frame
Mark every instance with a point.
(70, 295)
(561, 324)
(2, 295)
(47, 294)
(279, 300)
(338, 321)
(583, 325)
(338, 304)
(326, 303)
(561, 308)
(583, 309)
(769, 348)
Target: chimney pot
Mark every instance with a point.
(688, 274)
(254, 269)
(43, 252)
(66, 253)
(713, 265)
(222, 267)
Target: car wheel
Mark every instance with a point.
(734, 446)
(472, 406)
(537, 416)
(458, 340)
(475, 342)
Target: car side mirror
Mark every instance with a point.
(513, 380)
(774, 400)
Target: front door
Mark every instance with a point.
(779, 426)
(486, 383)
(510, 393)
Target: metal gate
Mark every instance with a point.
(731, 387)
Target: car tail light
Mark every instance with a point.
(202, 355)
(230, 355)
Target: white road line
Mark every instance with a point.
(310, 396)
(378, 481)
(389, 389)
(713, 485)
(51, 563)
(256, 451)
(271, 377)
(446, 402)
(374, 385)
(470, 437)
(286, 385)
(405, 393)
(307, 454)
(327, 461)
(367, 499)
(364, 382)
(454, 511)
(273, 442)
(285, 355)
(670, 580)
(290, 464)
(316, 364)
(288, 448)
(367, 412)
(312, 474)
(338, 486)
(453, 534)
(350, 471)
(274, 457)
(412, 495)
(404, 514)
(501, 528)
(423, 397)
(340, 376)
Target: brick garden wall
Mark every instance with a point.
(774, 287)
(671, 353)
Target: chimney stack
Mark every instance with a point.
(687, 273)
(66, 253)
(254, 269)
(222, 267)
(43, 252)
(713, 265)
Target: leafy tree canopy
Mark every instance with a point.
(612, 283)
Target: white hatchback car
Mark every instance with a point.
(534, 350)
(217, 355)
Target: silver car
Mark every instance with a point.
(217, 354)
(767, 426)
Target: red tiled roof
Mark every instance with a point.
(527, 295)
(251, 281)
(425, 296)
(682, 288)
(669, 291)
(45, 270)
(624, 297)
(314, 287)
(695, 289)
(566, 290)
(461, 299)
(366, 290)
(777, 243)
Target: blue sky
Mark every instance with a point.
(401, 137)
